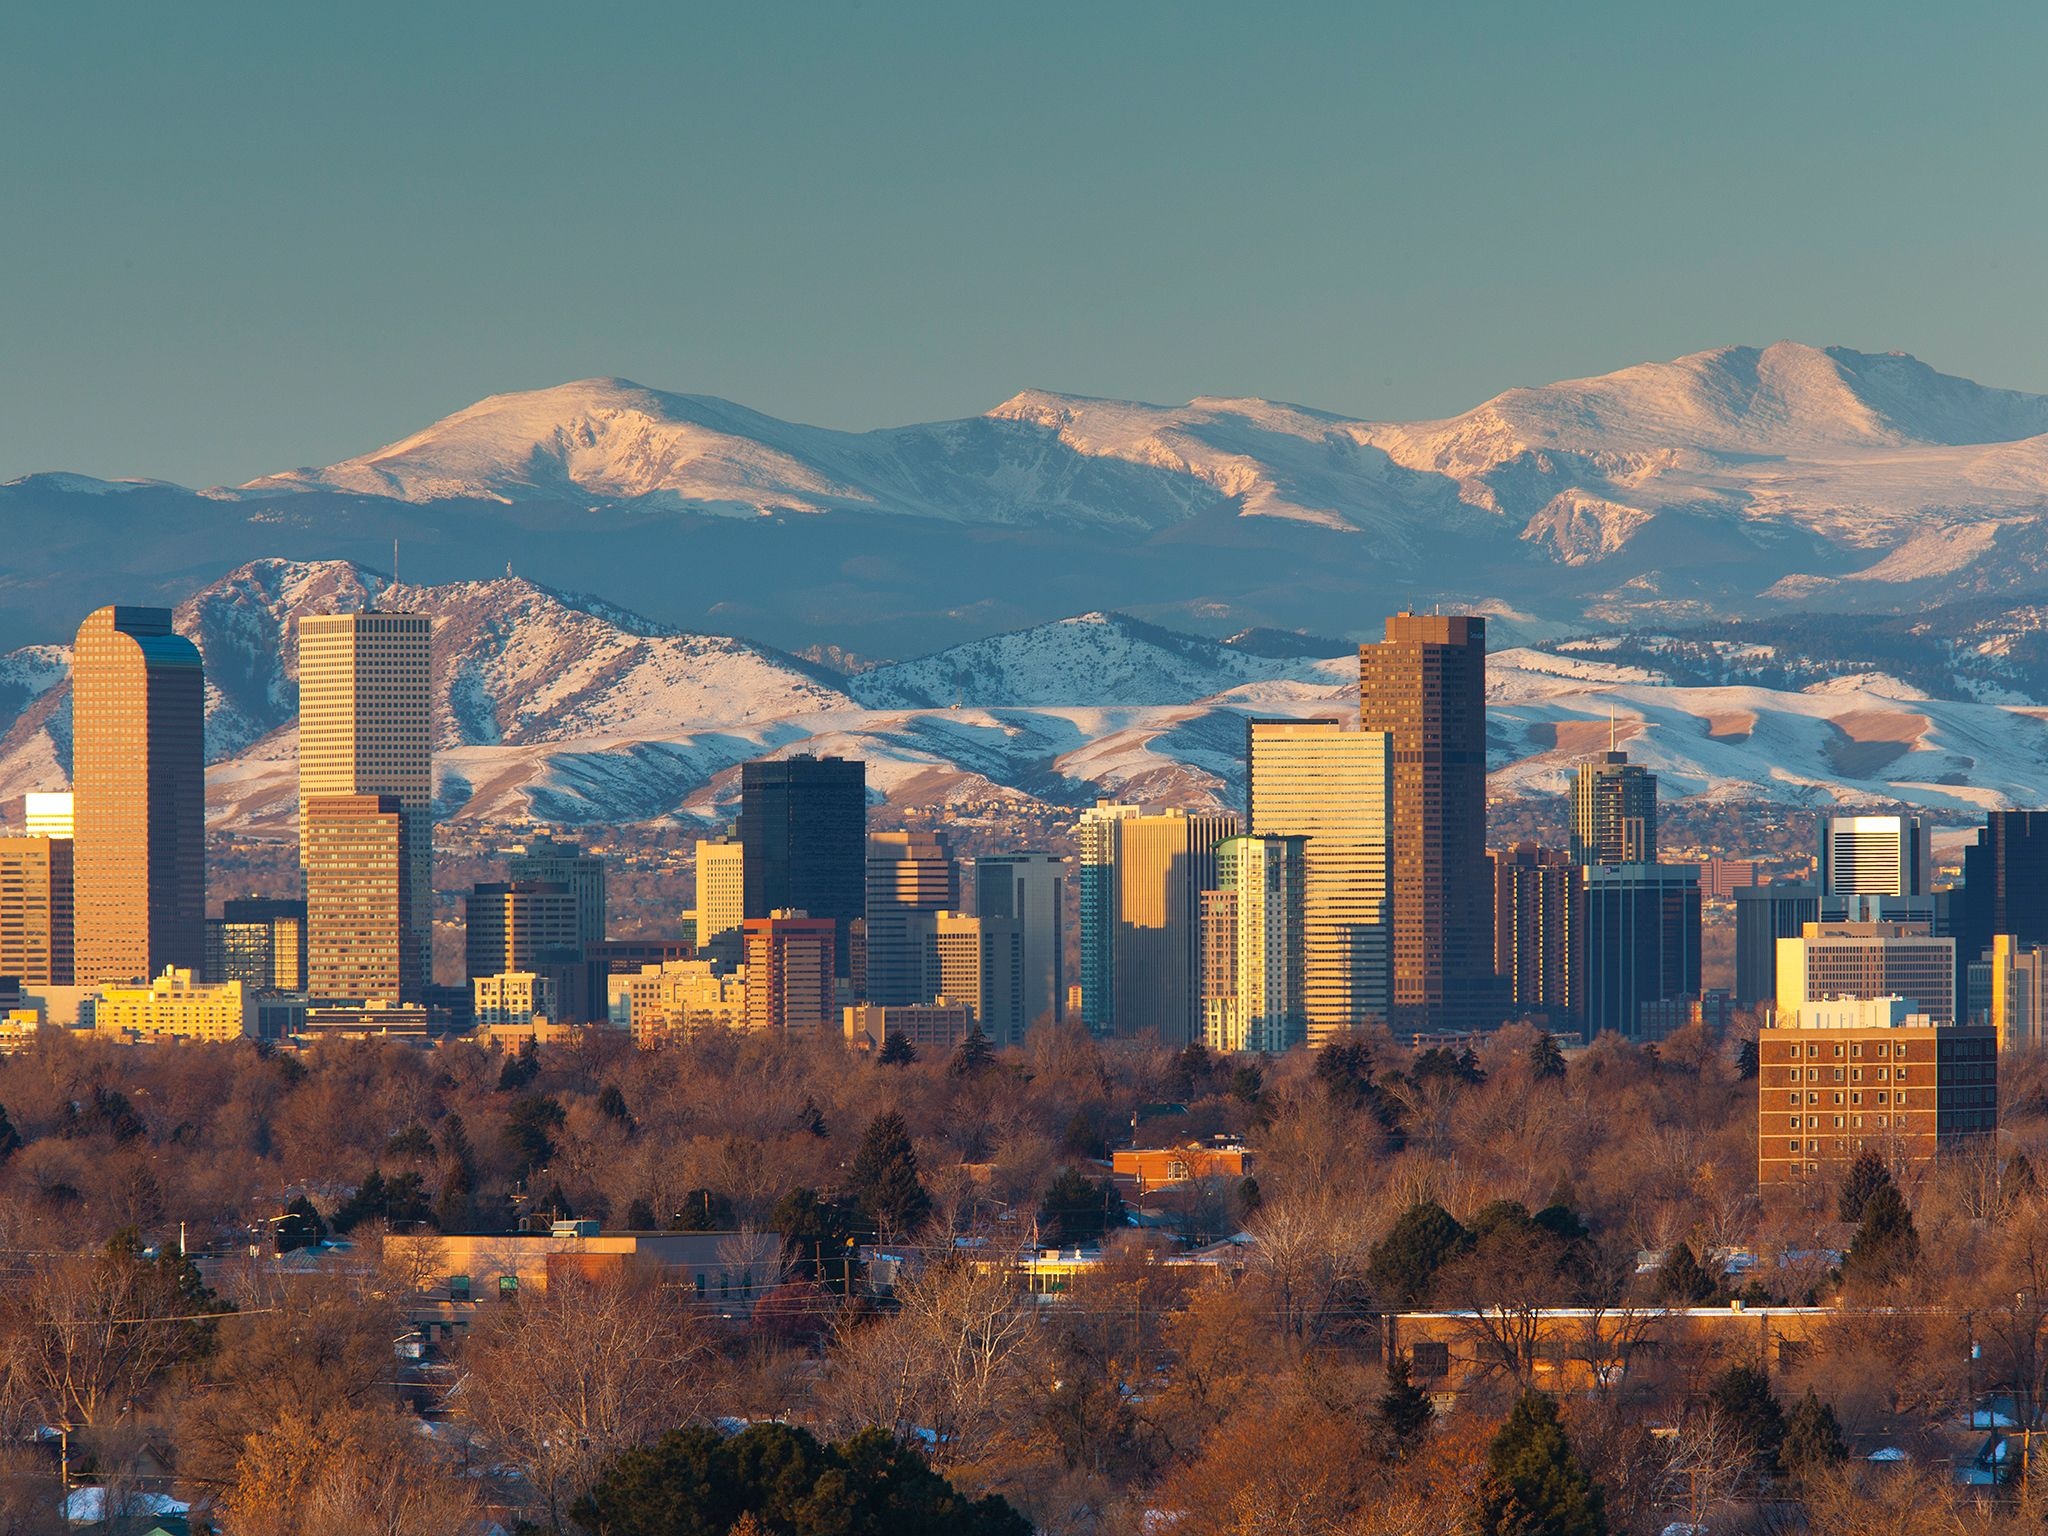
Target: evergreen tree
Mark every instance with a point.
(1887, 1244)
(1534, 1485)
(520, 1069)
(810, 1119)
(884, 1179)
(897, 1051)
(530, 1127)
(415, 1141)
(1747, 1062)
(703, 1210)
(1247, 1083)
(1743, 1400)
(10, 1138)
(1813, 1438)
(975, 1054)
(1077, 1209)
(640, 1215)
(1866, 1176)
(1403, 1412)
(1191, 1069)
(1404, 1263)
(1682, 1281)
(696, 1481)
(455, 1143)
(817, 1238)
(1249, 1196)
(612, 1105)
(1545, 1059)
(1083, 1138)
(454, 1204)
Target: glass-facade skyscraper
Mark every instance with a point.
(803, 832)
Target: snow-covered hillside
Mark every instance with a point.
(1077, 661)
(562, 708)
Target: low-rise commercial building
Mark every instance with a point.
(175, 1006)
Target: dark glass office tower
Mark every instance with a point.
(804, 835)
(2005, 883)
(1425, 686)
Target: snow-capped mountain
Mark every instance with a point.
(556, 707)
(1737, 482)
(1846, 442)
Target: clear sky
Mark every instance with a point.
(236, 239)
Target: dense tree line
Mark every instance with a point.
(1252, 1396)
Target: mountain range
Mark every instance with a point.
(1737, 483)
(550, 706)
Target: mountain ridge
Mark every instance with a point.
(545, 709)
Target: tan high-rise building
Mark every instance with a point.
(35, 910)
(721, 895)
(361, 942)
(911, 880)
(519, 925)
(1314, 779)
(790, 984)
(1833, 961)
(563, 863)
(1163, 864)
(978, 961)
(1425, 686)
(138, 776)
(365, 728)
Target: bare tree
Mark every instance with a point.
(562, 1380)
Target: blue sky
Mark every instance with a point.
(239, 239)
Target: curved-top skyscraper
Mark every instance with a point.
(138, 776)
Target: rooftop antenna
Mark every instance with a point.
(1610, 725)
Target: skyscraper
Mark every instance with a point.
(519, 925)
(978, 961)
(138, 775)
(1765, 914)
(365, 728)
(1032, 888)
(789, 972)
(552, 862)
(35, 910)
(721, 898)
(1829, 962)
(2005, 883)
(1865, 859)
(1096, 836)
(1642, 942)
(1163, 864)
(1614, 811)
(1538, 911)
(1314, 779)
(260, 943)
(1253, 945)
(911, 878)
(1424, 685)
(804, 830)
(361, 942)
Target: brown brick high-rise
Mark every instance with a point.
(1425, 686)
(138, 772)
